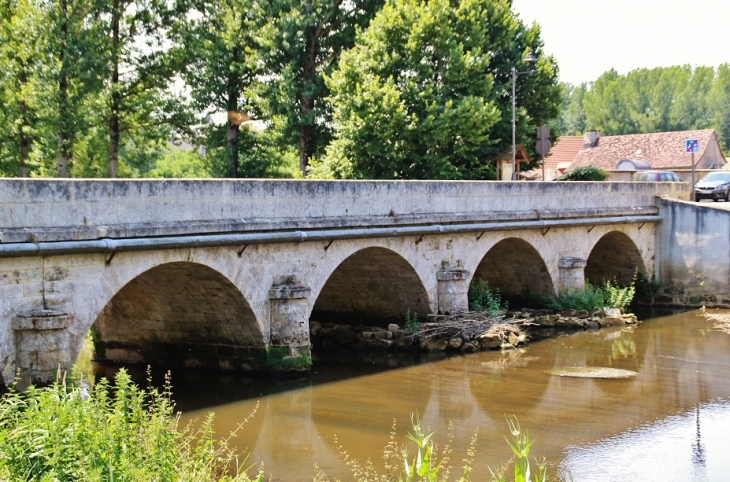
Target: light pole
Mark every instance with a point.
(528, 58)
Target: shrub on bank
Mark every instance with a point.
(70, 432)
(610, 295)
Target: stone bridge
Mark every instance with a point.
(226, 274)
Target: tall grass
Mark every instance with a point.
(111, 432)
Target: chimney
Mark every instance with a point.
(590, 139)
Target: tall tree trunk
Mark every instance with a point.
(23, 138)
(306, 106)
(232, 126)
(64, 122)
(115, 95)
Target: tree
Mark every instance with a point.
(426, 92)
(656, 100)
(23, 106)
(302, 44)
(572, 120)
(140, 69)
(220, 47)
(720, 100)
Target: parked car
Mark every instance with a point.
(656, 176)
(715, 186)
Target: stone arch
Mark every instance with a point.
(517, 269)
(614, 256)
(178, 314)
(374, 286)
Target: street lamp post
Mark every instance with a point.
(528, 58)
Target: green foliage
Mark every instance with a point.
(411, 321)
(651, 100)
(301, 43)
(646, 289)
(120, 432)
(178, 163)
(429, 464)
(421, 95)
(584, 173)
(520, 445)
(610, 295)
(616, 296)
(572, 120)
(482, 298)
(591, 299)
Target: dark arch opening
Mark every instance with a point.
(614, 257)
(374, 286)
(178, 315)
(517, 270)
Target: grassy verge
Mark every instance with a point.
(111, 432)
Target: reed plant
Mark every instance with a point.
(429, 463)
(109, 432)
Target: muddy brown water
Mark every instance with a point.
(668, 422)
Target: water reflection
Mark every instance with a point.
(663, 424)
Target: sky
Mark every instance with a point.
(589, 37)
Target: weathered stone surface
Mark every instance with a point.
(612, 321)
(393, 327)
(455, 343)
(490, 341)
(469, 347)
(195, 298)
(434, 345)
(630, 319)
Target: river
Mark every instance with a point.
(670, 422)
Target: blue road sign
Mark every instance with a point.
(692, 145)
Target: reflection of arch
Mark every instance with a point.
(614, 256)
(177, 314)
(373, 286)
(515, 268)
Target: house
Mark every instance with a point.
(561, 155)
(622, 155)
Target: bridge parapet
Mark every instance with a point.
(61, 210)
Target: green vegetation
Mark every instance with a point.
(421, 94)
(411, 322)
(70, 432)
(432, 464)
(520, 445)
(646, 289)
(610, 295)
(681, 98)
(482, 298)
(584, 173)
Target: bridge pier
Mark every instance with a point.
(41, 345)
(453, 290)
(572, 275)
(289, 346)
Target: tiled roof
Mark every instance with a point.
(564, 151)
(662, 149)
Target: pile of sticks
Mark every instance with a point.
(468, 325)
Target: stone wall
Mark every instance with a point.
(693, 253)
(51, 210)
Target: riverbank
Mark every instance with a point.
(466, 332)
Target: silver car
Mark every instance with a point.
(715, 186)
